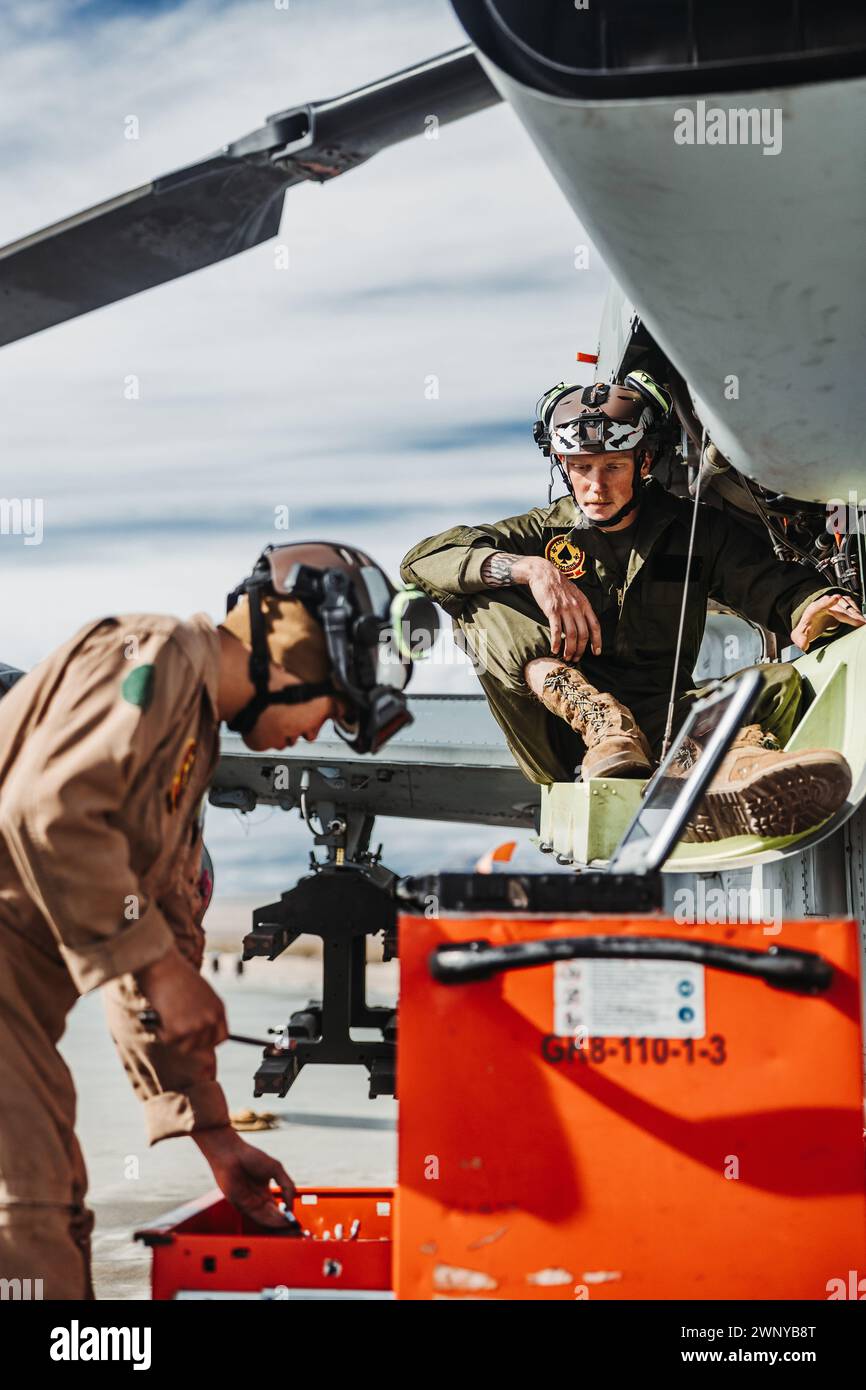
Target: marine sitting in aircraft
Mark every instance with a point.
(583, 642)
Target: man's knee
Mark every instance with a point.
(781, 708)
(499, 641)
(780, 703)
(45, 1252)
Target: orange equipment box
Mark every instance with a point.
(724, 1160)
(207, 1247)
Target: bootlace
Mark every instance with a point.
(753, 736)
(592, 712)
(686, 755)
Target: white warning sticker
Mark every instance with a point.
(628, 998)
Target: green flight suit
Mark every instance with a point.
(501, 629)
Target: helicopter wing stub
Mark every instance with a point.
(451, 764)
(227, 203)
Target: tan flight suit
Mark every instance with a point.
(501, 629)
(106, 751)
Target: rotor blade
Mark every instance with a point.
(226, 203)
(139, 239)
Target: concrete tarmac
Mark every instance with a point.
(328, 1132)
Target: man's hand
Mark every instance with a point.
(243, 1174)
(191, 1014)
(823, 615)
(572, 618)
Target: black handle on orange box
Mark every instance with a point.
(802, 972)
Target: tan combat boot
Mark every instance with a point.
(759, 790)
(615, 746)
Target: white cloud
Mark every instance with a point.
(261, 387)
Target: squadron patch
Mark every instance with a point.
(180, 780)
(137, 688)
(569, 559)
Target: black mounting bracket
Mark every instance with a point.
(343, 901)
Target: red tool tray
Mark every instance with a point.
(207, 1247)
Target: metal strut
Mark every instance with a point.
(673, 695)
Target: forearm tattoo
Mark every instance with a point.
(496, 569)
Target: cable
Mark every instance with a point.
(682, 623)
(305, 787)
(765, 517)
(860, 556)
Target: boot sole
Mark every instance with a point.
(613, 768)
(637, 766)
(786, 801)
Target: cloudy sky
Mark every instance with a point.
(262, 387)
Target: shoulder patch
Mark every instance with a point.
(137, 687)
(180, 780)
(569, 559)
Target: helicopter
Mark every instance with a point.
(721, 290)
(753, 330)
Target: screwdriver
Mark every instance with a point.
(149, 1018)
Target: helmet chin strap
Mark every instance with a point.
(259, 672)
(246, 718)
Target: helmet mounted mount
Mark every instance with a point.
(372, 632)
